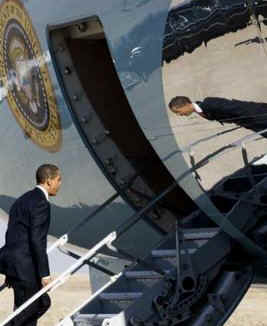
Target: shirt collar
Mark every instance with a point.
(44, 191)
(197, 108)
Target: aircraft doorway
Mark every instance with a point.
(107, 123)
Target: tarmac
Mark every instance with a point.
(250, 312)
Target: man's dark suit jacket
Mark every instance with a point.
(24, 256)
(250, 115)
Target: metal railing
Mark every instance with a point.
(76, 256)
(91, 298)
(62, 278)
(240, 143)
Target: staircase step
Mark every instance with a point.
(114, 302)
(91, 319)
(120, 296)
(94, 316)
(82, 317)
(143, 274)
(200, 234)
(169, 253)
(133, 282)
(193, 239)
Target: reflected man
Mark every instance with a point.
(250, 115)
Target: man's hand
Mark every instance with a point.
(46, 280)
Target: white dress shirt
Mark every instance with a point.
(197, 108)
(44, 191)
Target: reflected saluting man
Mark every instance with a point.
(23, 259)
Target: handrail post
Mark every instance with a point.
(59, 243)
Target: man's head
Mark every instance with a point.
(181, 105)
(49, 177)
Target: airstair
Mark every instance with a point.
(140, 284)
(193, 277)
(147, 291)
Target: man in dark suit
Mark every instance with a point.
(250, 115)
(23, 259)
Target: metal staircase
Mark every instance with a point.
(194, 277)
(141, 296)
(193, 288)
(136, 282)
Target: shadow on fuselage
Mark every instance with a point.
(108, 220)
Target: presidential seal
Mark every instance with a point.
(25, 75)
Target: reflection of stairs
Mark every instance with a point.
(231, 189)
(135, 290)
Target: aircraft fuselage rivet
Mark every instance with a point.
(84, 120)
(82, 27)
(67, 71)
(61, 48)
(107, 132)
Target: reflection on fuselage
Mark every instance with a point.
(214, 53)
(24, 69)
(192, 23)
(250, 115)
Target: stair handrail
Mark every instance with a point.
(59, 243)
(221, 151)
(76, 256)
(249, 138)
(62, 278)
(112, 280)
(188, 148)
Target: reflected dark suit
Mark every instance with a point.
(250, 115)
(23, 259)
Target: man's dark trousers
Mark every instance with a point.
(23, 292)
